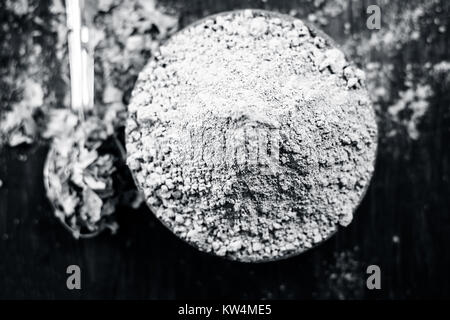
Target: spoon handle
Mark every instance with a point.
(80, 59)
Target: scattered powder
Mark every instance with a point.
(401, 25)
(405, 28)
(411, 107)
(412, 103)
(18, 125)
(379, 77)
(326, 10)
(442, 67)
(344, 277)
(395, 239)
(24, 68)
(441, 72)
(251, 136)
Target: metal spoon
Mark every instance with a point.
(82, 99)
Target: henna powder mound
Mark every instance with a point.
(251, 136)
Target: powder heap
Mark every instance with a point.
(251, 136)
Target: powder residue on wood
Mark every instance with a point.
(251, 136)
(344, 276)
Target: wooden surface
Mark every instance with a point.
(402, 225)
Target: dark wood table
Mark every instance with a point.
(402, 225)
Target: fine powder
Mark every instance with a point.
(251, 136)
